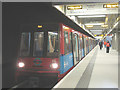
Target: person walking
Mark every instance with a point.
(101, 44)
(107, 46)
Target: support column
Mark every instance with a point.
(113, 42)
(118, 41)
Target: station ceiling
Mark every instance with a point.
(96, 18)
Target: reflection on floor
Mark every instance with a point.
(105, 72)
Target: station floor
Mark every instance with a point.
(97, 70)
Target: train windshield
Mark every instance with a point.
(52, 46)
(25, 44)
(38, 43)
(41, 44)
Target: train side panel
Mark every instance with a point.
(66, 55)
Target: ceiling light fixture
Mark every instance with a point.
(96, 30)
(91, 16)
(106, 20)
(94, 24)
(104, 25)
(89, 26)
(118, 18)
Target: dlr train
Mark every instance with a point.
(50, 49)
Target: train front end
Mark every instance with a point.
(39, 52)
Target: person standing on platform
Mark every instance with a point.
(101, 44)
(107, 46)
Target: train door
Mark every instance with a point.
(90, 43)
(83, 47)
(75, 48)
(66, 53)
(88, 46)
(79, 46)
(67, 58)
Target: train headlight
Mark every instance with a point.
(54, 65)
(21, 64)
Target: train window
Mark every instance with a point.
(70, 42)
(38, 43)
(81, 43)
(52, 44)
(25, 44)
(66, 42)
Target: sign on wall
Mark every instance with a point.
(94, 8)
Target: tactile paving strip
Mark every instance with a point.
(85, 79)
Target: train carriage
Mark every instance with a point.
(51, 49)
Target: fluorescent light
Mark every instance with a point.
(118, 18)
(115, 24)
(104, 25)
(113, 27)
(106, 20)
(91, 16)
(96, 30)
(94, 24)
(89, 26)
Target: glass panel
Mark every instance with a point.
(76, 47)
(79, 48)
(38, 43)
(66, 42)
(70, 42)
(25, 44)
(52, 43)
(81, 44)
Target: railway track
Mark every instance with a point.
(34, 83)
(20, 85)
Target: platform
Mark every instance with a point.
(97, 70)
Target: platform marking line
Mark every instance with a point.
(85, 79)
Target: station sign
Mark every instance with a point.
(75, 7)
(99, 35)
(93, 8)
(110, 5)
